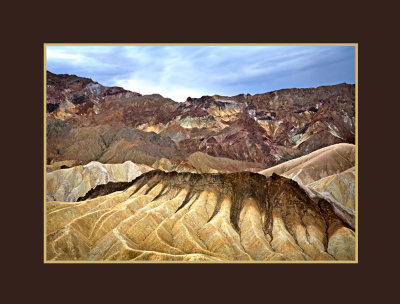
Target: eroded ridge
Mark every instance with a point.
(186, 216)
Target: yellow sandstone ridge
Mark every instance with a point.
(198, 217)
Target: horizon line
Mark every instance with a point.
(215, 94)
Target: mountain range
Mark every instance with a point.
(218, 178)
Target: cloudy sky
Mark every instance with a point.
(181, 71)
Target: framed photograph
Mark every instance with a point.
(201, 153)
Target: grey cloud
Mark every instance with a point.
(224, 70)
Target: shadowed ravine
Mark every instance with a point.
(187, 216)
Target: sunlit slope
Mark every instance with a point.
(183, 216)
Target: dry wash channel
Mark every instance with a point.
(185, 216)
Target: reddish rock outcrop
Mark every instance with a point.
(265, 128)
(78, 90)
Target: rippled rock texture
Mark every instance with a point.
(198, 217)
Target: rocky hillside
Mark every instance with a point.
(184, 216)
(116, 125)
(328, 174)
(72, 93)
(69, 184)
(265, 177)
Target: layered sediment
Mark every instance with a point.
(184, 216)
(329, 174)
(266, 129)
(132, 177)
(72, 183)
